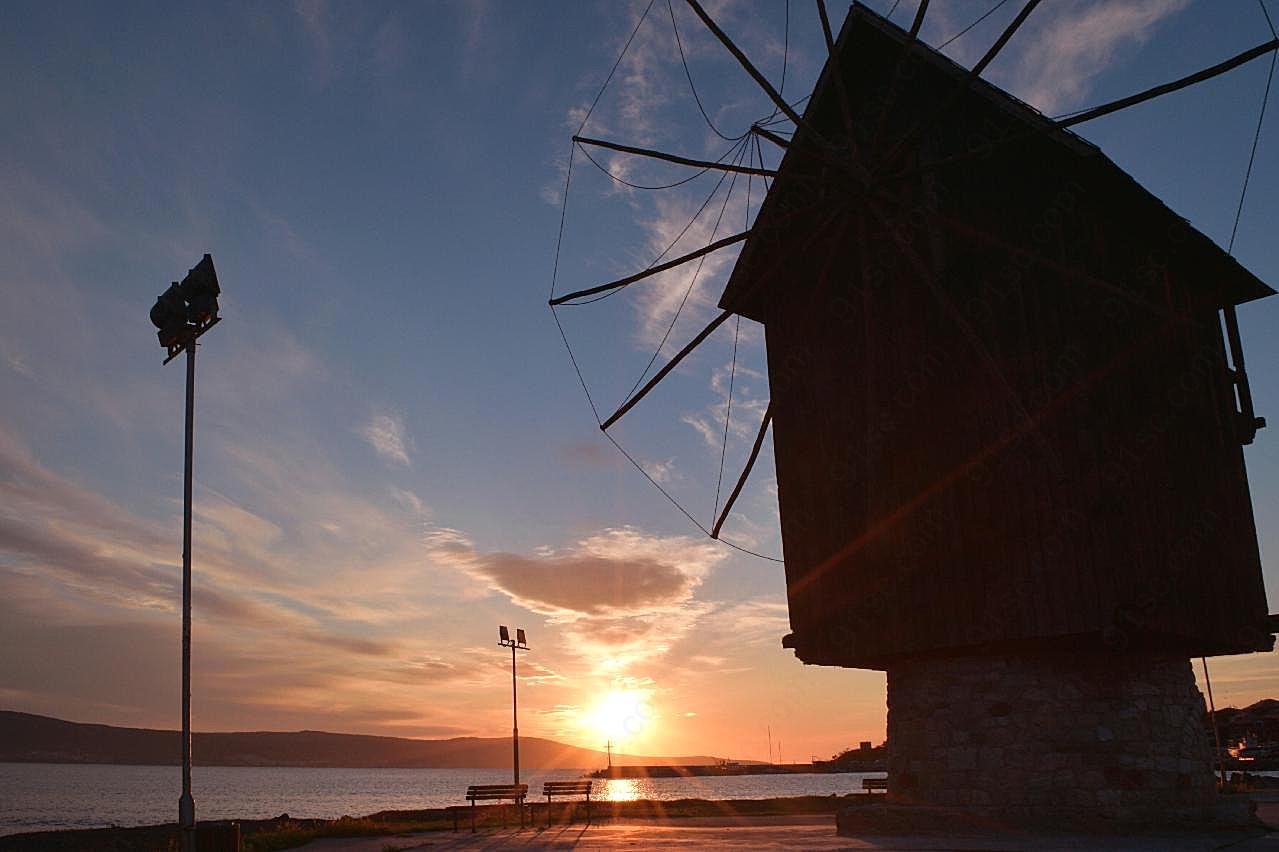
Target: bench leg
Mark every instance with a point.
(588, 808)
(472, 816)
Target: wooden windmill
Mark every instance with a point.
(1008, 431)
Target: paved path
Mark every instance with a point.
(768, 834)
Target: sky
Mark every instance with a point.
(394, 454)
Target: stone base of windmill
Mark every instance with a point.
(1078, 742)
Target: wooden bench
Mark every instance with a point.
(870, 785)
(567, 788)
(490, 793)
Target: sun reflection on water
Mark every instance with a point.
(621, 790)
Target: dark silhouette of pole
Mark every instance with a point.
(518, 643)
(182, 314)
(186, 804)
(515, 719)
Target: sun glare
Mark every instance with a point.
(622, 715)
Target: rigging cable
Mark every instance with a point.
(613, 70)
(681, 182)
(732, 374)
(714, 191)
(684, 61)
(568, 178)
(774, 119)
(555, 272)
(559, 241)
(692, 283)
(728, 416)
(1216, 732)
(1256, 137)
(684, 511)
(759, 150)
(989, 12)
(785, 62)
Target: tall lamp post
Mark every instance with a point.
(182, 314)
(520, 642)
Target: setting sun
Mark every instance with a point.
(623, 715)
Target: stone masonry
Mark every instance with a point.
(1065, 739)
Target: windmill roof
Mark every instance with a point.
(866, 34)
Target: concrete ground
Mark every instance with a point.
(777, 833)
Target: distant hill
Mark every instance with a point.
(27, 738)
(1259, 721)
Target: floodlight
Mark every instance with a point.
(519, 637)
(503, 634)
(169, 315)
(200, 291)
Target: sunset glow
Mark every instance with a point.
(393, 451)
(624, 716)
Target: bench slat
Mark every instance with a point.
(491, 792)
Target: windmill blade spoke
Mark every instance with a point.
(750, 69)
(1174, 85)
(746, 471)
(1004, 37)
(919, 18)
(652, 270)
(779, 141)
(826, 32)
(670, 365)
(833, 58)
(1092, 112)
(948, 108)
(674, 158)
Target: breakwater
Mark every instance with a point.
(733, 769)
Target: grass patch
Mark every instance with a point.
(291, 833)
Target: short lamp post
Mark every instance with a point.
(182, 314)
(520, 642)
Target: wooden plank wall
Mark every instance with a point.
(1001, 409)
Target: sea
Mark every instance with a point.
(51, 796)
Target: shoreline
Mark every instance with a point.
(778, 821)
(269, 833)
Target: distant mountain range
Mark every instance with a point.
(27, 738)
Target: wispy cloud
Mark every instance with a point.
(386, 434)
(313, 15)
(749, 398)
(1060, 62)
(620, 596)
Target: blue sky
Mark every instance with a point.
(393, 452)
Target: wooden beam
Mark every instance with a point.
(674, 158)
(652, 270)
(1095, 112)
(919, 18)
(746, 471)
(1156, 91)
(826, 33)
(944, 112)
(759, 78)
(662, 373)
(1004, 37)
(779, 141)
(833, 59)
